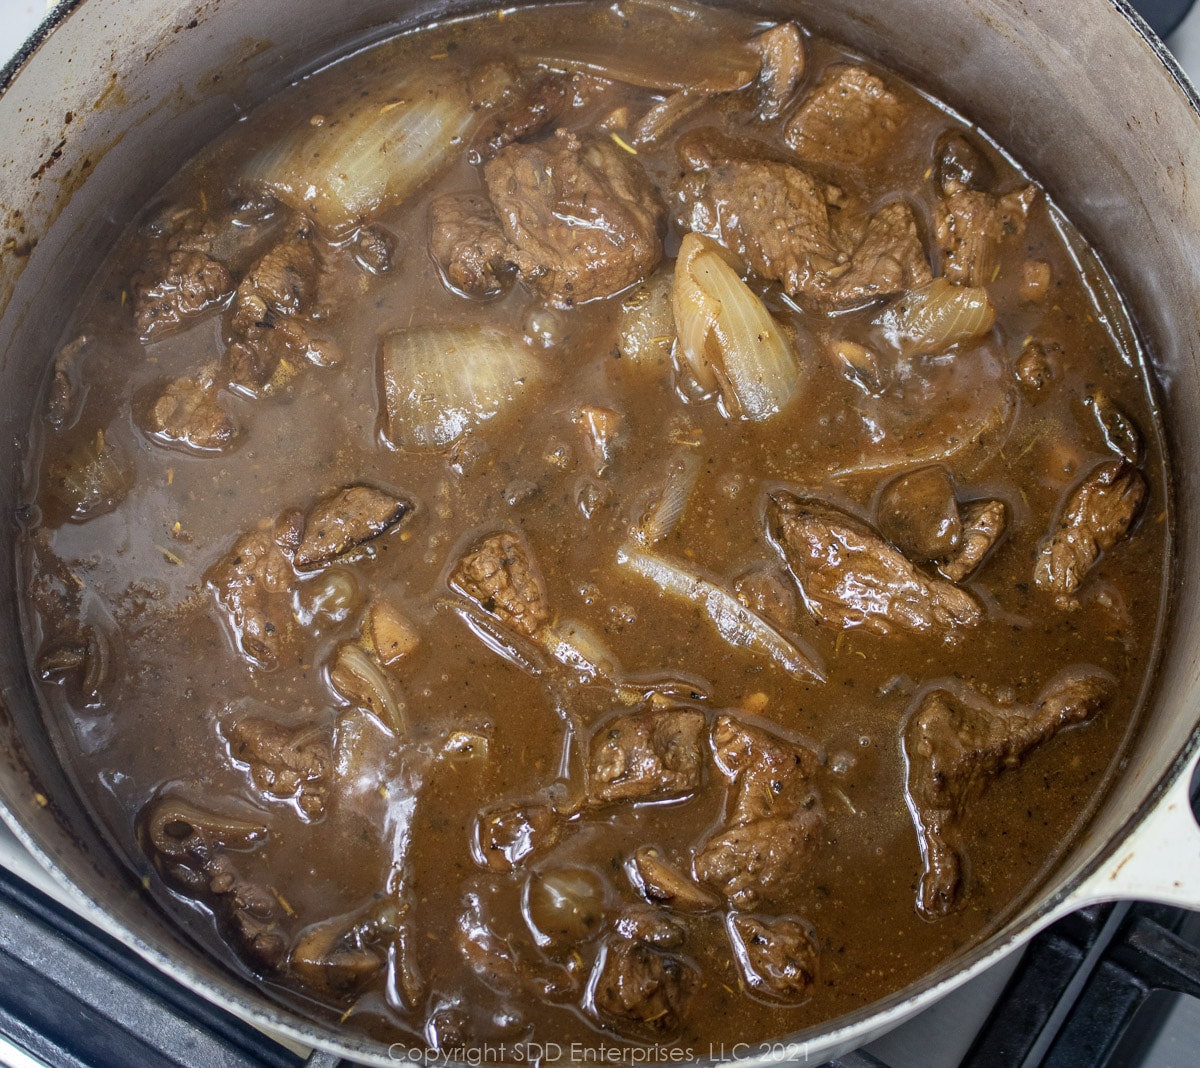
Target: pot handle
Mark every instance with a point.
(1160, 860)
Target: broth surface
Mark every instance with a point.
(617, 703)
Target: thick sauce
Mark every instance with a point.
(367, 776)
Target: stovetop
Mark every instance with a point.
(1114, 986)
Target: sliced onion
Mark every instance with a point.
(665, 115)
(678, 46)
(577, 646)
(370, 155)
(736, 623)
(667, 501)
(646, 331)
(938, 315)
(727, 335)
(362, 682)
(440, 382)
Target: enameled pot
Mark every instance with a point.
(110, 96)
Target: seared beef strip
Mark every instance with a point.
(777, 957)
(583, 218)
(982, 524)
(175, 287)
(349, 518)
(850, 117)
(653, 754)
(498, 575)
(1098, 514)
(468, 243)
(956, 743)
(850, 577)
(284, 762)
(639, 989)
(774, 819)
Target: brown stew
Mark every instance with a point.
(589, 523)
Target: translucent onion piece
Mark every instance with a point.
(668, 500)
(438, 383)
(727, 335)
(736, 623)
(679, 46)
(577, 646)
(369, 155)
(936, 316)
(362, 682)
(647, 324)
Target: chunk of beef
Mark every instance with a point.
(350, 517)
(851, 577)
(498, 575)
(190, 411)
(1120, 432)
(771, 215)
(374, 249)
(512, 832)
(640, 990)
(782, 51)
(253, 584)
(468, 243)
(775, 218)
(652, 754)
(650, 924)
(583, 218)
(982, 524)
(777, 957)
(175, 287)
(281, 282)
(272, 312)
(190, 848)
(918, 512)
(661, 882)
(1034, 369)
(969, 228)
(519, 104)
(284, 763)
(888, 259)
(956, 743)
(773, 823)
(958, 164)
(1098, 514)
(850, 117)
